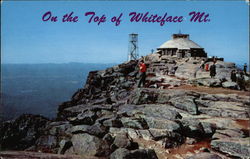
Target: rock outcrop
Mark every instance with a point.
(111, 118)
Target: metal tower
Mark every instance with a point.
(133, 47)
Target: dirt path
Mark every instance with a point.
(211, 90)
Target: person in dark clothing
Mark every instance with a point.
(143, 69)
(213, 70)
(233, 76)
(241, 81)
(245, 68)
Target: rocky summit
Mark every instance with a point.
(180, 113)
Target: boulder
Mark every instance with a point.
(185, 103)
(113, 122)
(120, 153)
(79, 129)
(227, 133)
(209, 82)
(164, 111)
(232, 85)
(64, 146)
(237, 147)
(208, 128)
(108, 138)
(155, 57)
(46, 143)
(85, 144)
(87, 118)
(204, 155)
(162, 124)
(186, 70)
(97, 130)
(145, 134)
(142, 154)
(192, 128)
(133, 123)
(143, 96)
(59, 128)
(122, 141)
(225, 109)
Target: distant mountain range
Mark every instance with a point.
(40, 88)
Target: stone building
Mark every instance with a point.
(181, 46)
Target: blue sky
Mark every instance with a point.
(27, 39)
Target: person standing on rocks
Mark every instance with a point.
(233, 76)
(213, 70)
(143, 69)
(241, 81)
(245, 68)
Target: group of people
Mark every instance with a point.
(212, 68)
(237, 77)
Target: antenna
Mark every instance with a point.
(133, 47)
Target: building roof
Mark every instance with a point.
(180, 41)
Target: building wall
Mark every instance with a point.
(184, 53)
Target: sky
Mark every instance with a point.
(26, 38)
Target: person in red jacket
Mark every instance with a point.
(143, 69)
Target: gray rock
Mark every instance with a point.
(64, 146)
(227, 133)
(22, 132)
(231, 85)
(79, 129)
(158, 134)
(162, 124)
(123, 153)
(108, 138)
(164, 111)
(87, 118)
(122, 141)
(127, 84)
(113, 122)
(168, 143)
(143, 96)
(120, 153)
(204, 155)
(85, 144)
(225, 109)
(186, 70)
(133, 133)
(208, 128)
(46, 142)
(204, 103)
(238, 147)
(192, 128)
(209, 82)
(142, 154)
(155, 57)
(115, 131)
(145, 134)
(59, 128)
(185, 103)
(133, 123)
(97, 130)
